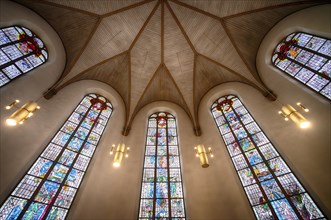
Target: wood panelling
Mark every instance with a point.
(96, 6)
(114, 72)
(163, 50)
(208, 75)
(248, 30)
(179, 58)
(73, 27)
(230, 7)
(145, 57)
(210, 39)
(113, 36)
(162, 88)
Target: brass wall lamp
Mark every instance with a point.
(22, 113)
(119, 153)
(289, 112)
(201, 152)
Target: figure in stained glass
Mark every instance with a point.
(52, 185)
(162, 188)
(266, 178)
(306, 58)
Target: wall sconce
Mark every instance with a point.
(22, 113)
(200, 152)
(119, 153)
(288, 112)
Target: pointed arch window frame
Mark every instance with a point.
(289, 57)
(21, 51)
(262, 148)
(48, 153)
(156, 167)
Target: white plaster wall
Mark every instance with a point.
(32, 84)
(308, 151)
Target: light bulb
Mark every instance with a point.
(305, 124)
(116, 164)
(38, 107)
(209, 148)
(17, 101)
(8, 107)
(212, 155)
(306, 110)
(21, 122)
(197, 155)
(30, 114)
(11, 122)
(126, 155)
(111, 152)
(286, 119)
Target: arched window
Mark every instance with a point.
(20, 51)
(270, 185)
(306, 58)
(161, 190)
(50, 185)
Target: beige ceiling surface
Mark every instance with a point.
(163, 50)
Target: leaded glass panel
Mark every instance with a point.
(20, 51)
(306, 58)
(271, 187)
(162, 190)
(49, 187)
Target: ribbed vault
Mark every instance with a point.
(163, 50)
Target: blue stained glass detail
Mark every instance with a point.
(162, 188)
(35, 211)
(308, 64)
(53, 180)
(264, 175)
(12, 208)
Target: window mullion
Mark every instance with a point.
(44, 179)
(267, 164)
(250, 167)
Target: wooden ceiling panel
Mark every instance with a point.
(114, 35)
(114, 72)
(162, 88)
(68, 24)
(248, 30)
(145, 57)
(210, 39)
(96, 6)
(227, 8)
(178, 57)
(208, 75)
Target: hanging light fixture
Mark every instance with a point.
(119, 153)
(201, 152)
(22, 113)
(289, 112)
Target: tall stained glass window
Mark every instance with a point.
(307, 58)
(50, 185)
(271, 187)
(20, 51)
(162, 190)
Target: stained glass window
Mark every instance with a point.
(271, 187)
(20, 51)
(50, 185)
(162, 194)
(307, 58)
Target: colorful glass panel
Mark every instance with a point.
(20, 51)
(272, 189)
(49, 187)
(307, 58)
(162, 194)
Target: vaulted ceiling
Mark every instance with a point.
(163, 50)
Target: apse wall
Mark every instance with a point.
(32, 84)
(307, 151)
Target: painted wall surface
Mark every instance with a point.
(308, 151)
